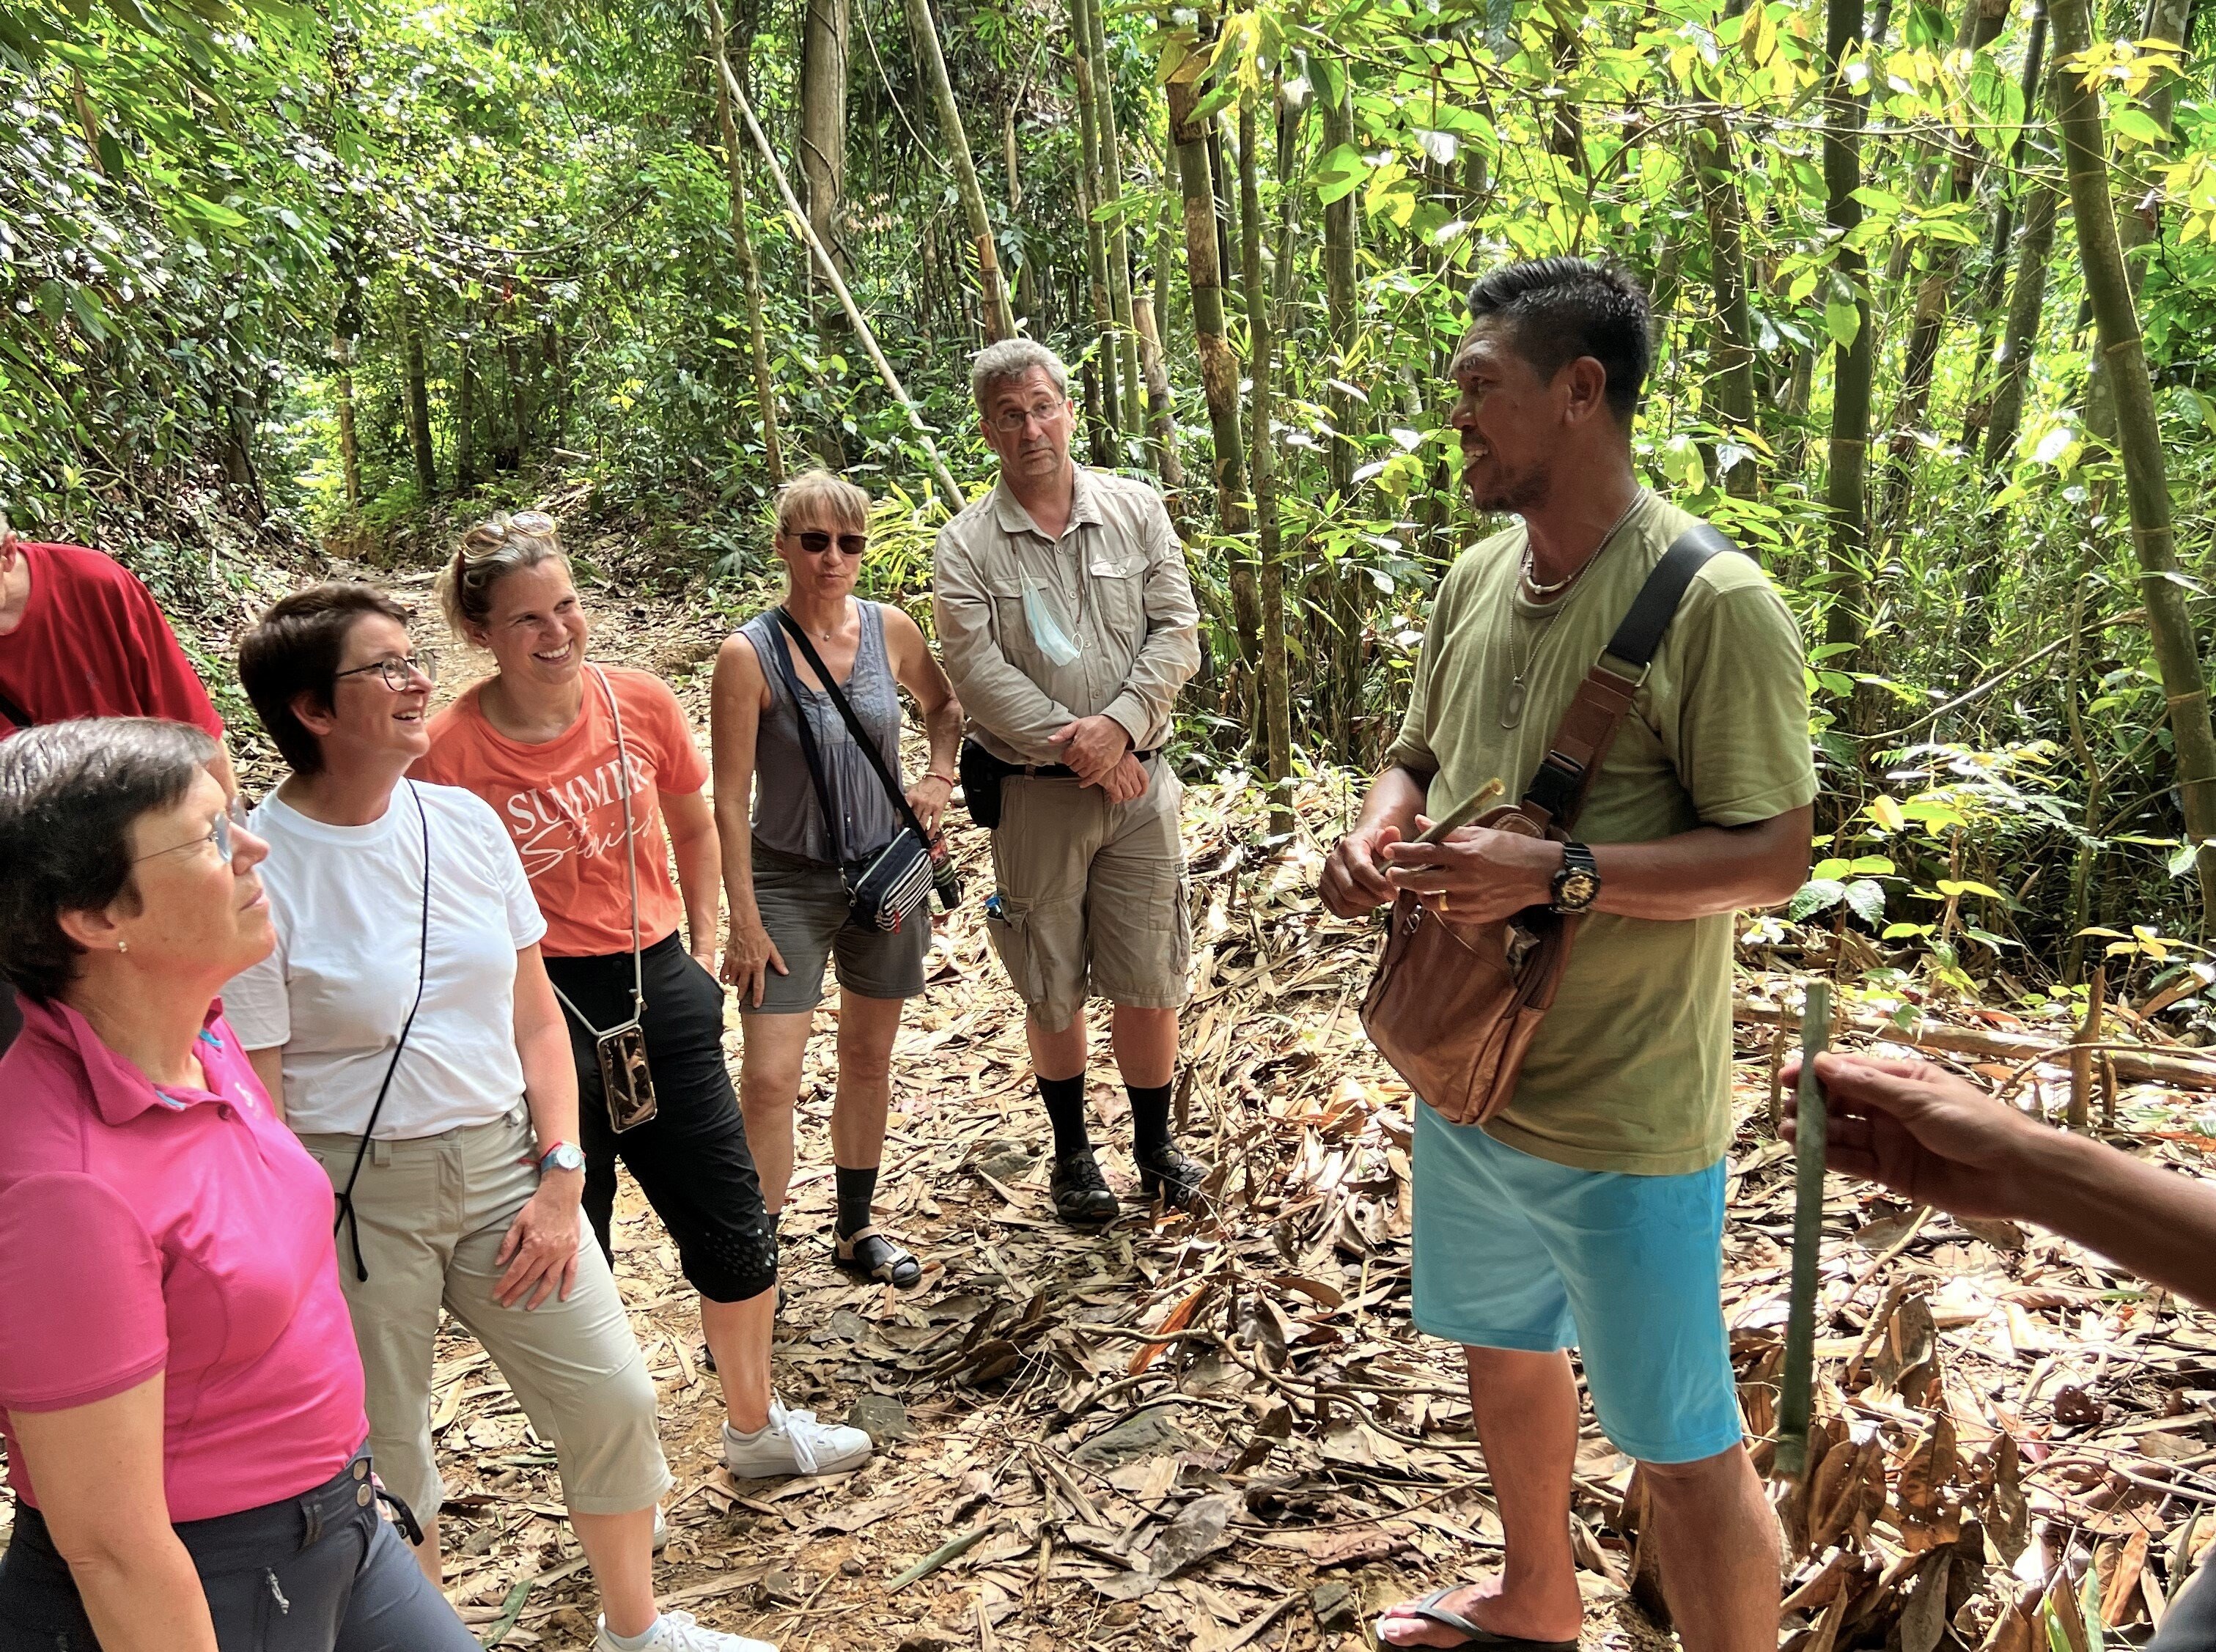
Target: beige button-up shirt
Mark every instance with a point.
(1116, 581)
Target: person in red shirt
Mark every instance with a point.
(81, 637)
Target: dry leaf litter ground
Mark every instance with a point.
(1222, 1432)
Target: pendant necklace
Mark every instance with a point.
(1511, 709)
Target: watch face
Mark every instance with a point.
(566, 1158)
(1577, 890)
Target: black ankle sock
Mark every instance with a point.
(1150, 1117)
(857, 1188)
(1065, 1105)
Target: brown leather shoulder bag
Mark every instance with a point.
(1453, 1006)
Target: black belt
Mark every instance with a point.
(1060, 770)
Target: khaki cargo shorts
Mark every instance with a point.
(1093, 896)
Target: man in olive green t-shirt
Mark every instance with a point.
(1589, 1212)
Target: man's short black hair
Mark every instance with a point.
(295, 650)
(1559, 309)
(68, 794)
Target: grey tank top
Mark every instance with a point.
(786, 815)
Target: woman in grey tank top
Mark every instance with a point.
(783, 860)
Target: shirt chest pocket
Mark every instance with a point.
(1116, 579)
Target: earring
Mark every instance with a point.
(123, 946)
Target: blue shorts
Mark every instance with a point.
(1514, 1251)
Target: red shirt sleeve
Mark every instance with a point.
(680, 767)
(67, 1240)
(171, 688)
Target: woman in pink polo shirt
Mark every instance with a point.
(179, 1389)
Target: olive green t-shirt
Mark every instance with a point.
(1631, 1069)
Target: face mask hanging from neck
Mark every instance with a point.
(1056, 643)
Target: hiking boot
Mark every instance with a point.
(679, 1632)
(794, 1442)
(1172, 1176)
(1081, 1192)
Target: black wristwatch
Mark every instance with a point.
(1576, 881)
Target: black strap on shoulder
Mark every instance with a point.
(1656, 605)
(832, 835)
(853, 723)
(15, 713)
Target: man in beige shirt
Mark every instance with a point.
(1068, 624)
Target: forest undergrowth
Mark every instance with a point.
(1223, 1431)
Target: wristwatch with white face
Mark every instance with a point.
(562, 1156)
(1577, 883)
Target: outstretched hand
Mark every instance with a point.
(1925, 1133)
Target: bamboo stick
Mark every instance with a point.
(954, 493)
(1793, 1393)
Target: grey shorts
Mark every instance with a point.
(803, 906)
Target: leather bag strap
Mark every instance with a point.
(1564, 775)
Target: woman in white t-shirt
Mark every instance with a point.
(406, 1025)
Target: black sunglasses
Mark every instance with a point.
(815, 542)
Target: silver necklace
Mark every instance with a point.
(1511, 709)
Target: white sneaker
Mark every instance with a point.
(661, 1531)
(793, 1443)
(678, 1632)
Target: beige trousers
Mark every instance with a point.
(433, 1213)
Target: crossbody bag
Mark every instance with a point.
(1453, 1006)
(626, 1080)
(347, 1217)
(883, 889)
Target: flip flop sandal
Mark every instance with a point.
(870, 1255)
(1431, 1611)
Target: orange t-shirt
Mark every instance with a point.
(562, 802)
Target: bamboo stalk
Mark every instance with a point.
(1796, 1386)
(954, 493)
(749, 270)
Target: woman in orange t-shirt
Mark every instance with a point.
(594, 773)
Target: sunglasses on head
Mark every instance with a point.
(815, 542)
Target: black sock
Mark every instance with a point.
(1065, 1105)
(857, 1188)
(1150, 1117)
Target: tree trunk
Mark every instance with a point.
(1730, 371)
(1219, 373)
(417, 401)
(1027, 291)
(1088, 198)
(1978, 415)
(465, 409)
(518, 441)
(2020, 335)
(1847, 495)
(2177, 654)
(350, 439)
(1338, 115)
(1111, 193)
(742, 238)
(1261, 367)
(1000, 317)
(823, 148)
(2165, 20)
(1161, 410)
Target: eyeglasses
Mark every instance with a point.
(1012, 422)
(815, 542)
(399, 672)
(234, 814)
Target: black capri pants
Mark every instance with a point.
(316, 1573)
(691, 1159)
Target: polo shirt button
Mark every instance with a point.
(360, 1468)
(361, 1495)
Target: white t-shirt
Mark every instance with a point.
(348, 905)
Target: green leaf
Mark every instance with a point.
(1816, 895)
(1336, 176)
(2136, 125)
(1952, 886)
(1867, 899)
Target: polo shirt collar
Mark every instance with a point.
(119, 1090)
(1011, 517)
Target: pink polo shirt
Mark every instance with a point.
(180, 1231)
